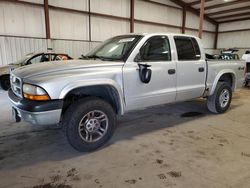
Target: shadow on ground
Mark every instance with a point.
(50, 144)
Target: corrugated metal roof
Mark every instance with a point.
(223, 11)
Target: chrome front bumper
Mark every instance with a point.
(36, 112)
(40, 118)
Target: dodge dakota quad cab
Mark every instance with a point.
(125, 73)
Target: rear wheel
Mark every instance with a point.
(90, 123)
(220, 101)
(5, 82)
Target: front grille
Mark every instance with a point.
(16, 85)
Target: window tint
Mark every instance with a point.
(156, 49)
(196, 48)
(187, 48)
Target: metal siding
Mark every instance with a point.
(13, 48)
(234, 40)
(73, 48)
(167, 2)
(103, 28)
(146, 28)
(72, 4)
(68, 25)
(235, 25)
(192, 21)
(17, 19)
(35, 1)
(111, 7)
(157, 13)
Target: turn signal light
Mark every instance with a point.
(36, 97)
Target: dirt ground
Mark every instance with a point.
(177, 145)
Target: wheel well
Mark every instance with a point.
(229, 78)
(4, 75)
(105, 92)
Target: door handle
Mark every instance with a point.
(201, 69)
(171, 71)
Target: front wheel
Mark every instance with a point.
(220, 101)
(90, 123)
(5, 82)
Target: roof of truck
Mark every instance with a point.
(168, 34)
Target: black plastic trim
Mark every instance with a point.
(34, 106)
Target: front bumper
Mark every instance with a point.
(37, 112)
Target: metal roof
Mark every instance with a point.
(222, 11)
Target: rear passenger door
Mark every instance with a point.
(191, 68)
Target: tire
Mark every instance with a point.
(5, 82)
(246, 83)
(214, 103)
(87, 117)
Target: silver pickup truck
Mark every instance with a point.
(125, 73)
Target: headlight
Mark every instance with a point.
(36, 93)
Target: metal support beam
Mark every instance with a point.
(132, 15)
(225, 4)
(89, 13)
(193, 10)
(47, 24)
(233, 16)
(184, 15)
(201, 18)
(216, 36)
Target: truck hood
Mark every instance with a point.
(43, 69)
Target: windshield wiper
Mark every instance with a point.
(83, 57)
(102, 58)
(95, 57)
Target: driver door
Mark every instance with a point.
(161, 88)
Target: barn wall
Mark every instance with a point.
(74, 33)
(237, 39)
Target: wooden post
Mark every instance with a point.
(184, 14)
(201, 18)
(132, 15)
(47, 24)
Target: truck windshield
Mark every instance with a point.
(115, 49)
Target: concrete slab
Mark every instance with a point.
(156, 147)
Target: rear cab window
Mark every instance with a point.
(187, 48)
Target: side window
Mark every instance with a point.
(45, 58)
(36, 59)
(187, 48)
(196, 48)
(52, 57)
(156, 49)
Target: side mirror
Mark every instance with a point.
(145, 73)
